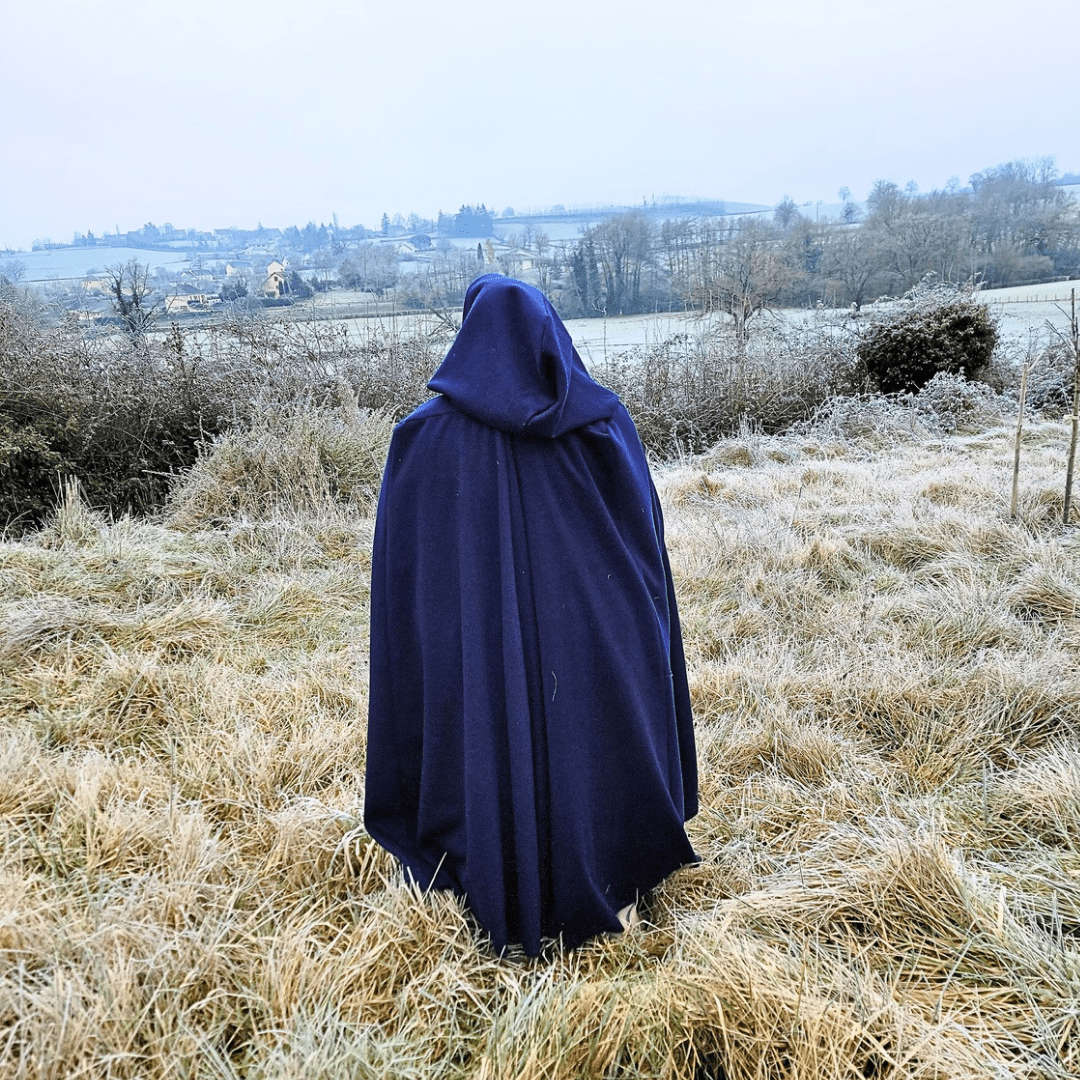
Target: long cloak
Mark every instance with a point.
(530, 739)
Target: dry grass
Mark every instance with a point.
(301, 461)
(885, 677)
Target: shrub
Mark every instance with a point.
(946, 405)
(938, 330)
(30, 467)
(958, 406)
(1050, 384)
(687, 393)
(112, 413)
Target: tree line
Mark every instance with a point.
(1014, 225)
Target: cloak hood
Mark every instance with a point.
(513, 366)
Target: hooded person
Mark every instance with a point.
(530, 739)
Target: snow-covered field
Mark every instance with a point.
(1022, 311)
(41, 267)
(1029, 309)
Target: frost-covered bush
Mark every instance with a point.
(117, 416)
(946, 405)
(870, 419)
(1050, 382)
(686, 393)
(930, 331)
(955, 405)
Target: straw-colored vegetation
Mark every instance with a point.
(884, 671)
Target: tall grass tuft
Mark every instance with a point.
(296, 460)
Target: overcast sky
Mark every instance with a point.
(120, 113)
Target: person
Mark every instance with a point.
(530, 741)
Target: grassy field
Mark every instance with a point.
(887, 693)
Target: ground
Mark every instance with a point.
(884, 674)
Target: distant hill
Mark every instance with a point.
(667, 207)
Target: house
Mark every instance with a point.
(186, 298)
(275, 284)
(514, 261)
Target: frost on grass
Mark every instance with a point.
(296, 460)
(885, 683)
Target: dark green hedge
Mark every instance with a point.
(903, 351)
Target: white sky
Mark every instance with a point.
(238, 112)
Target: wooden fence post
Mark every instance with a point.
(1075, 418)
(1014, 502)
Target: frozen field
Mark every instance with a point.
(1023, 311)
(76, 263)
(1031, 309)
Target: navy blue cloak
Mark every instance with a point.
(530, 738)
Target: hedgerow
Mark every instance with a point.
(686, 393)
(128, 417)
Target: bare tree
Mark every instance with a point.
(624, 249)
(785, 213)
(131, 295)
(544, 262)
(854, 256)
(12, 273)
(371, 267)
(750, 276)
